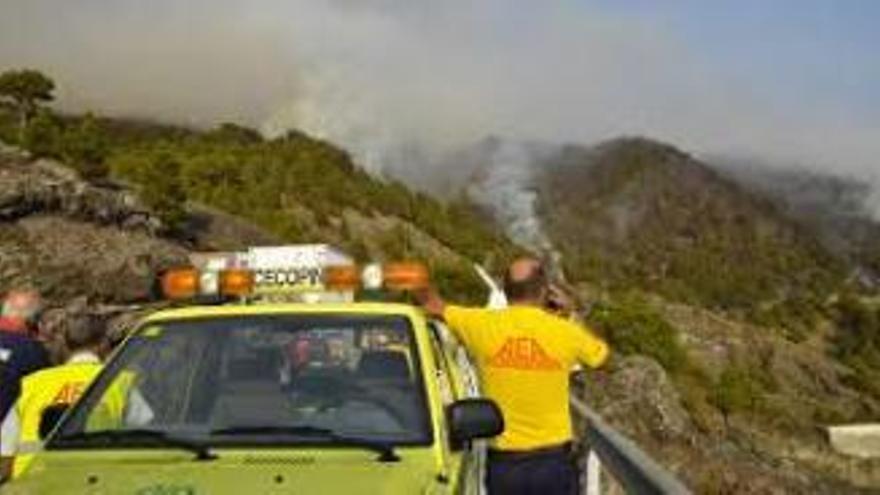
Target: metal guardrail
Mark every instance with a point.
(632, 468)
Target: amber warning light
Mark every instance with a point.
(404, 275)
(342, 278)
(236, 283)
(181, 283)
(189, 283)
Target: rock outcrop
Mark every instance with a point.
(45, 187)
(69, 238)
(86, 247)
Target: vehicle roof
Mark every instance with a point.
(228, 310)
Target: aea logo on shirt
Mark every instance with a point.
(69, 393)
(523, 354)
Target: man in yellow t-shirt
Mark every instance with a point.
(524, 355)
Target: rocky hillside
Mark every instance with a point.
(87, 248)
(96, 245)
(723, 300)
(68, 238)
(295, 187)
(744, 415)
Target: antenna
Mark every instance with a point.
(497, 299)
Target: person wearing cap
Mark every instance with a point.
(21, 352)
(524, 354)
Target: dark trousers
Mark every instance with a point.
(545, 472)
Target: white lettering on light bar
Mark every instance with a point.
(293, 268)
(289, 277)
(281, 271)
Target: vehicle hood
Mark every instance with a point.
(149, 472)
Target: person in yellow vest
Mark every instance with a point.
(524, 354)
(56, 386)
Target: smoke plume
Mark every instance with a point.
(506, 192)
(395, 80)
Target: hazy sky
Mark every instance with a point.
(786, 80)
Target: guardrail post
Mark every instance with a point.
(592, 485)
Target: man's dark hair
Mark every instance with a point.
(531, 287)
(83, 332)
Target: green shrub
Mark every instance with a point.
(395, 243)
(43, 135)
(162, 191)
(856, 342)
(229, 132)
(858, 328)
(864, 377)
(9, 132)
(737, 390)
(632, 327)
(695, 389)
(459, 283)
(83, 148)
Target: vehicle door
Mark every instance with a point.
(458, 380)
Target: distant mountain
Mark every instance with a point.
(638, 213)
(836, 209)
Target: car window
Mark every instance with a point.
(445, 379)
(456, 355)
(357, 376)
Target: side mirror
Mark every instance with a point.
(50, 417)
(471, 419)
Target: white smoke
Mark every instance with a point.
(386, 77)
(507, 192)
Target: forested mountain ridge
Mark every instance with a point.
(740, 334)
(298, 188)
(841, 211)
(764, 335)
(637, 213)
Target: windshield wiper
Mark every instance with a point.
(202, 452)
(384, 449)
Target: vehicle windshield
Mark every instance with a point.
(292, 379)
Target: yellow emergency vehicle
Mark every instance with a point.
(280, 397)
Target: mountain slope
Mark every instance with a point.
(715, 268)
(836, 209)
(295, 187)
(630, 214)
(97, 246)
(636, 213)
